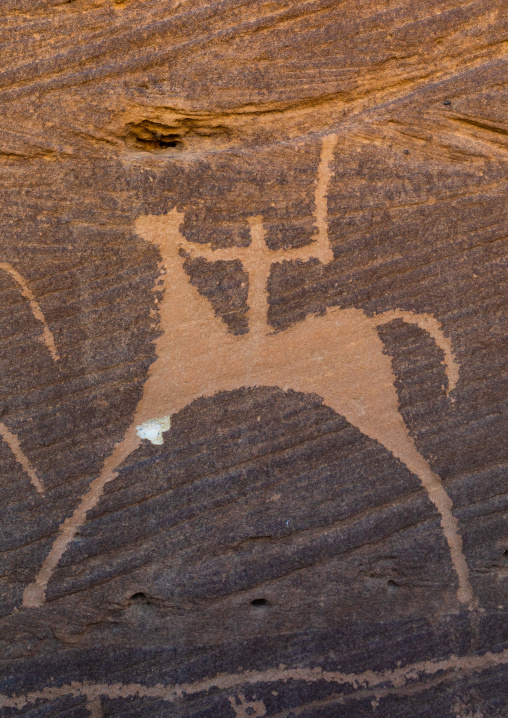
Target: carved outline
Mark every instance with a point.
(47, 337)
(257, 259)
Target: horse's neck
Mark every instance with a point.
(194, 349)
(186, 317)
(183, 312)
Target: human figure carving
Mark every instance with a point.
(338, 356)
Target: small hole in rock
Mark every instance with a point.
(391, 582)
(259, 602)
(139, 598)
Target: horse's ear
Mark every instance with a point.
(160, 229)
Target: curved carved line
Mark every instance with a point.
(34, 306)
(13, 442)
(10, 438)
(433, 327)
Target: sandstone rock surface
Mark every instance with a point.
(253, 359)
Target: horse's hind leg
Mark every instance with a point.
(402, 446)
(359, 384)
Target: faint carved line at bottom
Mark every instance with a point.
(390, 680)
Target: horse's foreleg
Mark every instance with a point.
(35, 594)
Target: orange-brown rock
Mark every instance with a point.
(253, 359)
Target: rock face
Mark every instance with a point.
(253, 359)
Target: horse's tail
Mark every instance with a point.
(432, 326)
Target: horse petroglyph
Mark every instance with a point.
(338, 356)
(47, 337)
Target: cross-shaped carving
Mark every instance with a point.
(257, 260)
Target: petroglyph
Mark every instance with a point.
(47, 337)
(338, 356)
(446, 669)
(13, 442)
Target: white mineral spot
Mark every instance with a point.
(153, 429)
